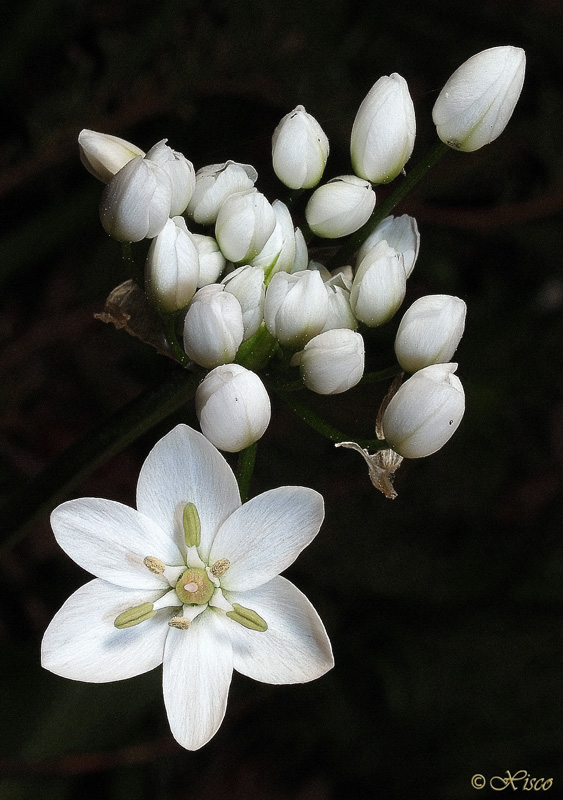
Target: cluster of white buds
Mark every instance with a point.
(235, 271)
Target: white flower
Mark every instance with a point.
(340, 314)
(384, 130)
(136, 202)
(213, 326)
(189, 580)
(379, 285)
(430, 331)
(333, 361)
(214, 184)
(233, 407)
(278, 254)
(103, 154)
(296, 307)
(247, 285)
(299, 150)
(211, 260)
(244, 224)
(477, 101)
(180, 171)
(340, 206)
(400, 233)
(425, 412)
(172, 267)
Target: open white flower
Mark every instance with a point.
(190, 580)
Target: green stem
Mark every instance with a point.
(347, 250)
(318, 424)
(245, 468)
(79, 460)
(381, 375)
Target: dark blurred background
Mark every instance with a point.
(444, 606)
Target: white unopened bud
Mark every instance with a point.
(180, 171)
(425, 412)
(213, 327)
(301, 252)
(296, 307)
(233, 407)
(430, 331)
(400, 233)
(103, 154)
(278, 254)
(244, 224)
(333, 361)
(172, 267)
(211, 260)
(213, 184)
(299, 150)
(340, 314)
(136, 202)
(477, 102)
(379, 285)
(247, 285)
(340, 206)
(384, 131)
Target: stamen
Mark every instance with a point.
(154, 564)
(134, 616)
(192, 526)
(182, 623)
(220, 567)
(248, 618)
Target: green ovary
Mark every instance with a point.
(194, 587)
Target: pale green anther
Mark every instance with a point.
(192, 526)
(248, 618)
(134, 616)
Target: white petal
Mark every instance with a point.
(184, 467)
(198, 666)
(294, 649)
(82, 642)
(110, 540)
(264, 536)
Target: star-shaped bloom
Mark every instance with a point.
(190, 580)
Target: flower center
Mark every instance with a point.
(194, 587)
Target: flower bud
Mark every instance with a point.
(379, 285)
(180, 171)
(136, 202)
(213, 184)
(103, 154)
(172, 267)
(383, 132)
(247, 285)
(333, 361)
(296, 307)
(301, 259)
(233, 407)
(430, 331)
(278, 254)
(340, 206)
(477, 101)
(425, 412)
(213, 327)
(340, 314)
(400, 233)
(211, 260)
(299, 150)
(244, 224)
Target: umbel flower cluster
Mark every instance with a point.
(190, 578)
(238, 287)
